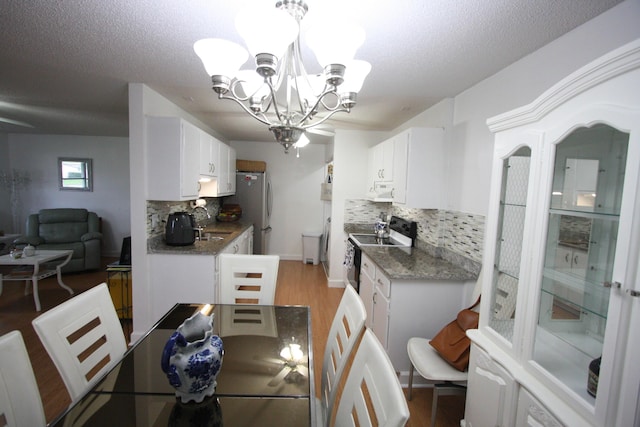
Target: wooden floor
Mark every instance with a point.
(298, 284)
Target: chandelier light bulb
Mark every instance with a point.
(252, 84)
(354, 76)
(308, 88)
(267, 30)
(220, 58)
(302, 142)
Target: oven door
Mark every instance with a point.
(353, 274)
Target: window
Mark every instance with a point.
(75, 174)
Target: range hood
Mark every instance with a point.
(382, 192)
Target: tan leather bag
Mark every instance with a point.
(452, 342)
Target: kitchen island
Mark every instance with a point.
(187, 274)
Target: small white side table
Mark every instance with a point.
(41, 257)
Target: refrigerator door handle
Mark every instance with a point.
(269, 199)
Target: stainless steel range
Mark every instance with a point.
(402, 233)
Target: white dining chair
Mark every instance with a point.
(83, 336)
(446, 380)
(248, 279)
(372, 394)
(20, 402)
(346, 329)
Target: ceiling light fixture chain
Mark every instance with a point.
(279, 92)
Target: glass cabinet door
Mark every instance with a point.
(511, 218)
(582, 232)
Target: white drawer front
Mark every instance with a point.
(367, 266)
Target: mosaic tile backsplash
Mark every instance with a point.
(455, 236)
(158, 211)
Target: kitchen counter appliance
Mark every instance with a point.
(402, 233)
(180, 229)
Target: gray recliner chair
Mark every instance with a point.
(66, 228)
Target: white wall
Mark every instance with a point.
(296, 192)
(38, 154)
(349, 182)
(144, 101)
(471, 143)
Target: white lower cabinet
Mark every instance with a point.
(532, 413)
(400, 309)
(367, 287)
(381, 310)
(491, 394)
(243, 244)
(178, 278)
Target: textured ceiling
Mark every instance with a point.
(65, 64)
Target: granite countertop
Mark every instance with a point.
(414, 264)
(358, 228)
(228, 231)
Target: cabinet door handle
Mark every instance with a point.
(566, 257)
(575, 259)
(612, 285)
(374, 297)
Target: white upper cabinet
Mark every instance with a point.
(408, 169)
(561, 295)
(209, 163)
(418, 168)
(225, 182)
(382, 161)
(173, 146)
(380, 171)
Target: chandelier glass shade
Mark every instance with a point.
(278, 91)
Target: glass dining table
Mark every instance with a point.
(259, 383)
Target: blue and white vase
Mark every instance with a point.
(192, 358)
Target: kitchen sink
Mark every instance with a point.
(207, 235)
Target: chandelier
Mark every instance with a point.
(279, 92)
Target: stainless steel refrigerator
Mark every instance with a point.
(253, 194)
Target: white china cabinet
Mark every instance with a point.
(558, 342)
